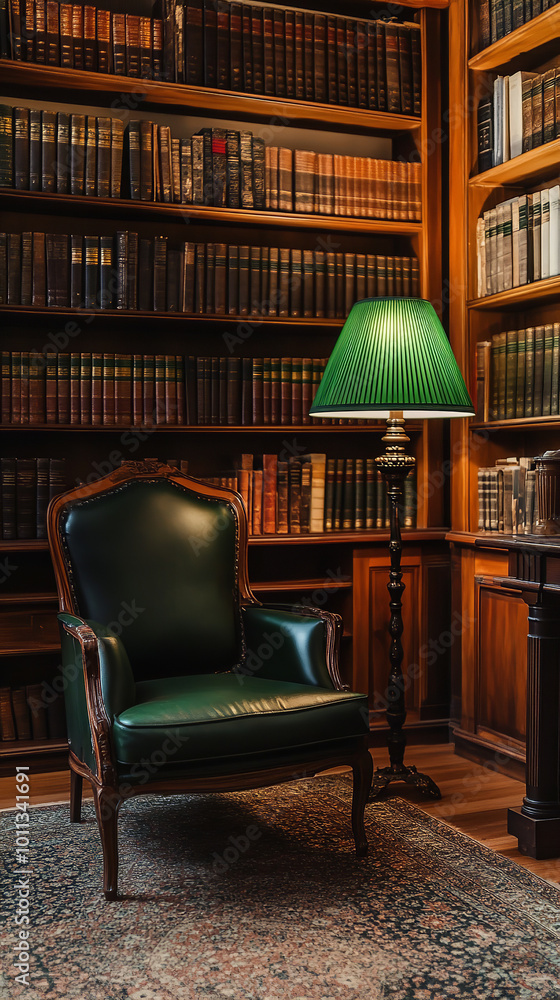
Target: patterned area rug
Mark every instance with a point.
(258, 896)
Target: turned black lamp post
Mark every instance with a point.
(394, 360)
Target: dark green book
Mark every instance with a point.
(511, 373)
(521, 375)
(529, 370)
(554, 401)
(547, 370)
(538, 394)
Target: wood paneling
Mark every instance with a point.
(502, 659)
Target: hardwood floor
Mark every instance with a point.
(475, 799)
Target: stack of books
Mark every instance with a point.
(232, 46)
(518, 374)
(314, 493)
(518, 241)
(522, 113)
(507, 499)
(126, 271)
(27, 485)
(33, 712)
(498, 18)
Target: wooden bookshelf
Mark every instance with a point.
(290, 565)
(489, 691)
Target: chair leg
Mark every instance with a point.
(107, 805)
(362, 771)
(76, 782)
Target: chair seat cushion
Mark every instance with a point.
(210, 716)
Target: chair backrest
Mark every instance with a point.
(156, 556)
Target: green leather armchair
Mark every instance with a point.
(177, 678)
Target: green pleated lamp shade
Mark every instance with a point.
(392, 354)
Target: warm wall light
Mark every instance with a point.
(394, 360)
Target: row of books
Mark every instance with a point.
(313, 493)
(147, 389)
(507, 497)
(518, 241)
(332, 184)
(26, 487)
(301, 54)
(33, 712)
(127, 272)
(522, 113)
(518, 374)
(231, 46)
(498, 18)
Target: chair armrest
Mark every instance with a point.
(292, 645)
(102, 689)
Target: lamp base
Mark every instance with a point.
(383, 776)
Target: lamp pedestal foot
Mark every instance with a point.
(395, 466)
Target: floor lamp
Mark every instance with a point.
(393, 360)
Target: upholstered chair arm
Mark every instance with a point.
(292, 645)
(98, 685)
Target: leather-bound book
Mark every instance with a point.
(109, 413)
(90, 41)
(381, 266)
(361, 40)
(146, 161)
(6, 145)
(157, 49)
(37, 390)
(391, 276)
(306, 389)
(272, 154)
(296, 283)
(76, 271)
(170, 390)
(26, 497)
(273, 270)
(308, 55)
(320, 57)
(381, 66)
(48, 151)
(59, 253)
(265, 279)
(104, 54)
(255, 299)
(257, 500)
(132, 36)
(185, 158)
(270, 475)
(392, 67)
(289, 41)
(308, 281)
(35, 150)
(200, 278)
(416, 59)
(14, 269)
(210, 279)
(222, 391)
(105, 272)
(294, 495)
(397, 262)
(15, 390)
(159, 392)
(132, 272)
(360, 276)
(145, 33)
(63, 388)
(331, 62)
(235, 46)
(74, 388)
(407, 276)
(38, 13)
(305, 501)
(320, 275)
(244, 252)
(548, 105)
(3, 269)
(163, 152)
(117, 140)
(133, 168)
(66, 50)
(359, 506)
(26, 269)
(96, 389)
(371, 62)
(210, 29)
(103, 157)
(160, 273)
(285, 390)
(349, 281)
(220, 281)
(283, 282)
(283, 501)
(137, 390)
(233, 175)
(5, 386)
(121, 246)
(77, 152)
(351, 70)
(266, 391)
(341, 60)
(259, 196)
(257, 415)
(24, 387)
(7, 722)
(405, 70)
(232, 284)
(62, 168)
(91, 272)
(299, 55)
(52, 47)
(219, 167)
(8, 497)
(89, 151)
(119, 44)
(268, 49)
(197, 145)
(257, 47)
(279, 52)
(50, 387)
(85, 387)
(15, 28)
(338, 499)
(246, 169)
(275, 390)
(28, 29)
(238, 391)
(148, 390)
(223, 53)
(35, 696)
(195, 43)
(296, 393)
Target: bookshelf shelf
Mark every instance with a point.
(273, 587)
(519, 424)
(14, 748)
(28, 599)
(537, 291)
(180, 98)
(531, 167)
(535, 37)
(209, 319)
(30, 648)
(376, 427)
(119, 207)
